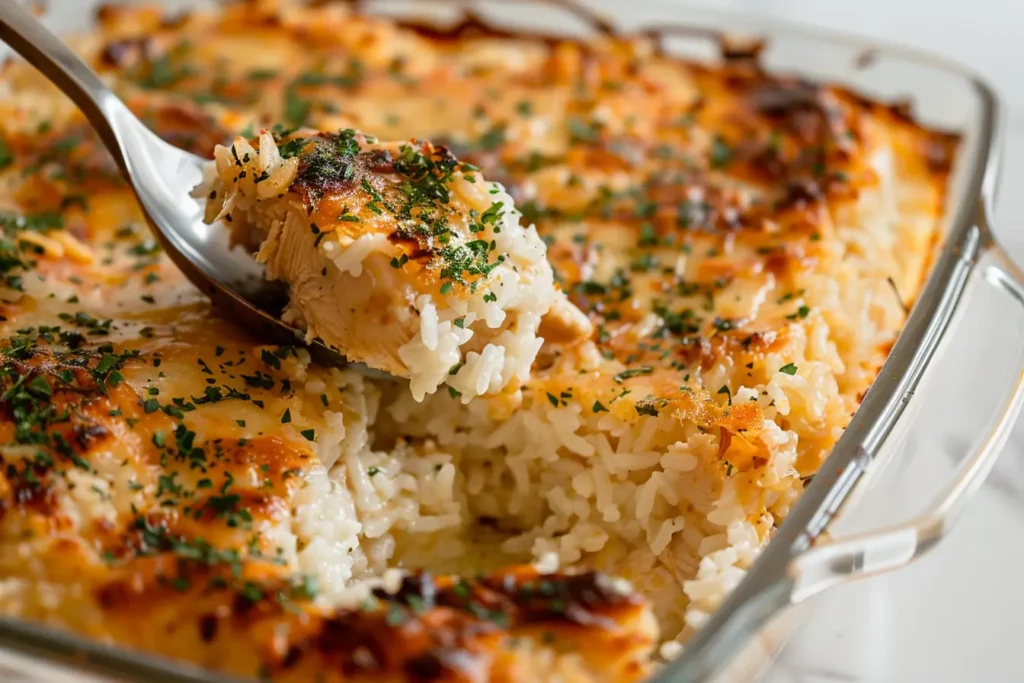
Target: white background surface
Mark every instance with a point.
(958, 614)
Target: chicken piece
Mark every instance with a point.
(396, 254)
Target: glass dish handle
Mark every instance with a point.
(832, 561)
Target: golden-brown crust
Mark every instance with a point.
(684, 207)
(428, 629)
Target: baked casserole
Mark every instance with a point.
(730, 255)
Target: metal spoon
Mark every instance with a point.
(162, 177)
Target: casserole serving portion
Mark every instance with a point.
(743, 249)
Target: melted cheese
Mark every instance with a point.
(722, 228)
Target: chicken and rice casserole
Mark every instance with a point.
(632, 303)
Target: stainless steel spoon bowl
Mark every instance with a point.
(162, 177)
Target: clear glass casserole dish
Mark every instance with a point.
(806, 555)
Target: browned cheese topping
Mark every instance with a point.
(152, 452)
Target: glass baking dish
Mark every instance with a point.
(816, 547)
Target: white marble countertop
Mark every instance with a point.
(958, 614)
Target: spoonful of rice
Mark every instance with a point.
(395, 257)
(395, 252)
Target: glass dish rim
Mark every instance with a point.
(763, 592)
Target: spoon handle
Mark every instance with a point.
(27, 36)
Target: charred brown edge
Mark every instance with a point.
(733, 50)
(736, 51)
(471, 22)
